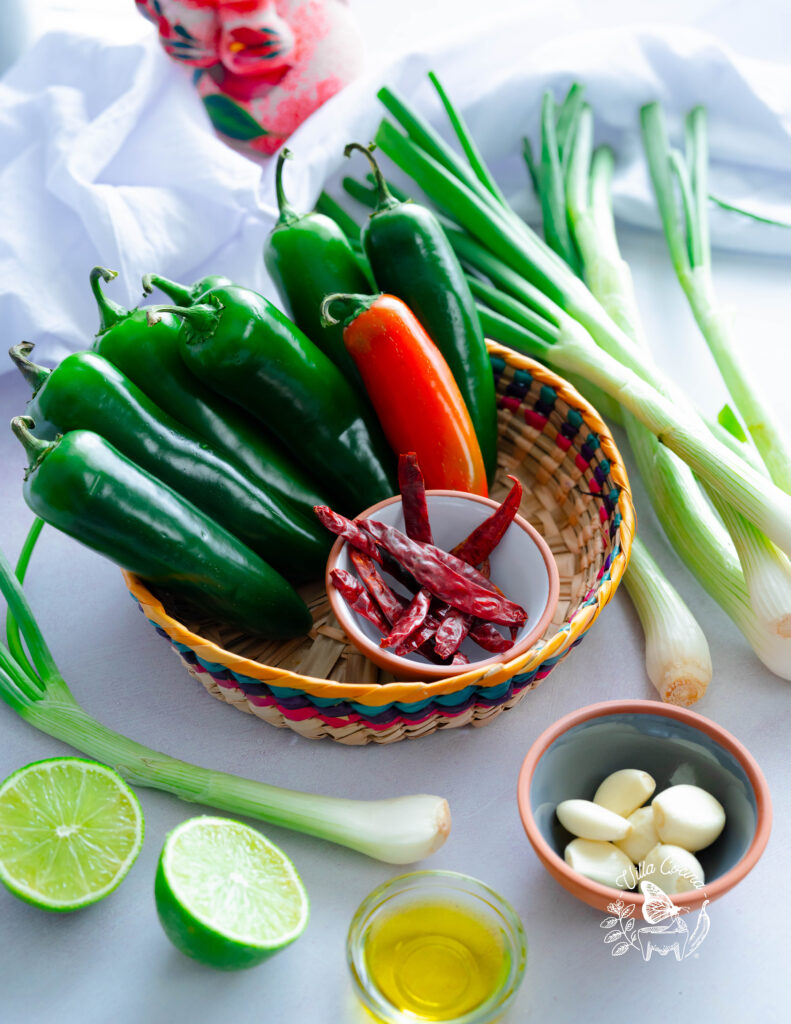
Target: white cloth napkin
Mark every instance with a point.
(107, 157)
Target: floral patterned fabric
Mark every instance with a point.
(260, 66)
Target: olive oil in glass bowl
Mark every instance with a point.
(436, 946)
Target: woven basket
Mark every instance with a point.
(576, 493)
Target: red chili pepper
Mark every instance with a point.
(412, 389)
(455, 627)
(490, 639)
(476, 549)
(460, 659)
(485, 538)
(350, 531)
(416, 523)
(357, 597)
(451, 633)
(413, 499)
(456, 565)
(391, 604)
(484, 634)
(443, 582)
(419, 640)
(411, 620)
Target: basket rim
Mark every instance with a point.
(380, 694)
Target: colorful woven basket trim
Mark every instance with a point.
(295, 704)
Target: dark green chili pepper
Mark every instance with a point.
(81, 485)
(412, 259)
(143, 345)
(245, 348)
(86, 392)
(308, 257)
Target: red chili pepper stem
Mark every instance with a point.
(201, 318)
(179, 293)
(34, 374)
(385, 200)
(109, 312)
(288, 215)
(353, 305)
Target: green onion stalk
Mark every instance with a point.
(749, 214)
(697, 537)
(557, 338)
(678, 659)
(507, 320)
(679, 498)
(589, 198)
(687, 234)
(767, 570)
(397, 831)
(630, 378)
(329, 207)
(677, 656)
(686, 517)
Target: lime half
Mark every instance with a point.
(227, 896)
(70, 830)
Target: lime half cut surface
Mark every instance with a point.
(70, 830)
(227, 896)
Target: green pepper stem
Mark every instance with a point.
(352, 306)
(35, 448)
(385, 200)
(110, 313)
(287, 212)
(34, 374)
(201, 317)
(179, 293)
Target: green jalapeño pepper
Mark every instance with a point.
(81, 485)
(143, 345)
(309, 257)
(412, 259)
(86, 392)
(245, 348)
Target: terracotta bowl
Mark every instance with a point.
(521, 565)
(675, 745)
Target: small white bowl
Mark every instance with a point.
(522, 566)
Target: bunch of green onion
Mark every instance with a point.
(568, 300)
(398, 831)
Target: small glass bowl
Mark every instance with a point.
(451, 887)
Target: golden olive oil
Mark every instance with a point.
(437, 960)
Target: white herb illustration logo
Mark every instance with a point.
(665, 932)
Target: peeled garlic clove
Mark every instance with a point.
(672, 868)
(625, 791)
(643, 837)
(688, 816)
(601, 862)
(589, 821)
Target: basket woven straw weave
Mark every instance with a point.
(576, 493)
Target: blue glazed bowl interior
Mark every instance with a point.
(673, 752)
